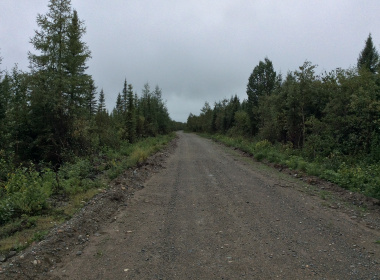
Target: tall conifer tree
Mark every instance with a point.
(90, 99)
(59, 85)
(75, 64)
(119, 104)
(102, 102)
(124, 97)
(369, 57)
(131, 115)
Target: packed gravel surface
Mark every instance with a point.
(200, 210)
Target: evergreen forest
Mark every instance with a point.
(56, 135)
(326, 125)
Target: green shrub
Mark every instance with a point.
(6, 210)
(126, 149)
(24, 222)
(259, 156)
(329, 175)
(287, 148)
(302, 165)
(263, 145)
(26, 192)
(274, 157)
(333, 161)
(74, 177)
(364, 179)
(292, 162)
(314, 169)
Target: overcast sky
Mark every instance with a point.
(199, 50)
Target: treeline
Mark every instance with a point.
(336, 112)
(53, 112)
(331, 119)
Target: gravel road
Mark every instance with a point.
(213, 214)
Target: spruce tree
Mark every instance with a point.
(59, 85)
(51, 43)
(146, 110)
(18, 115)
(162, 116)
(102, 102)
(119, 104)
(75, 64)
(104, 126)
(369, 57)
(131, 115)
(90, 99)
(124, 97)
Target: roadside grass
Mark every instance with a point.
(19, 234)
(135, 155)
(76, 202)
(325, 195)
(353, 174)
(26, 218)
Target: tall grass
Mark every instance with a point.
(131, 155)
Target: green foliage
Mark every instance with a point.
(22, 223)
(131, 116)
(220, 119)
(263, 145)
(102, 102)
(261, 82)
(75, 178)
(374, 155)
(314, 169)
(242, 124)
(363, 179)
(327, 125)
(369, 57)
(152, 114)
(130, 155)
(5, 166)
(51, 117)
(6, 210)
(39, 235)
(59, 91)
(26, 192)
